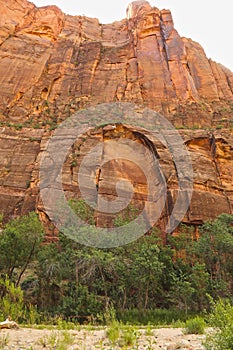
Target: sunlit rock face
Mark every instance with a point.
(52, 65)
(74, 61)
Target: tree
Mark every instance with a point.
(146, 270)
(19, 243)
(215, 249)
(48, 269)
(199, 279)
(181, 291)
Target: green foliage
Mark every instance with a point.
(146, 270)
(122, 336)
(64, 325)
(195, 326)
(140, 283)
(19, 244)
(155, 317)
(113, 332)
(79, 304)
(126, 216)
(203, 265)
(181, 290)
(148, 331)
(81, 208)
(129, 336)
(222, 321)
(32, 315)
(11, 302)
(57, 340)
(108, 317)
(215, 249)
(1, 219)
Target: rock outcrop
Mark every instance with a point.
(52, 65)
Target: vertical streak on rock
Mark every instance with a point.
(223, 84)
(214, 152)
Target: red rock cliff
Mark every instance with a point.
(52, 65)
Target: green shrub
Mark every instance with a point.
(32, 315)
(195, 326)
(222, 321)
(57, 340)
(11, 302)
(83, 210)
(129, 336)
(65, 325)
(113, 332)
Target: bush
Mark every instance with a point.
(222, 321)
(113, 332)
(129, 336)
(195, 326)
(11, 301)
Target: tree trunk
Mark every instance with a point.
(8, 324)
(26, 264)
(146, 296)
(124, 299)
(76, 272)
(105, 290)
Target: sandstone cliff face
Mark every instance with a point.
(52, 65)
(51, 58)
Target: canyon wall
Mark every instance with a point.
(52, 65)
